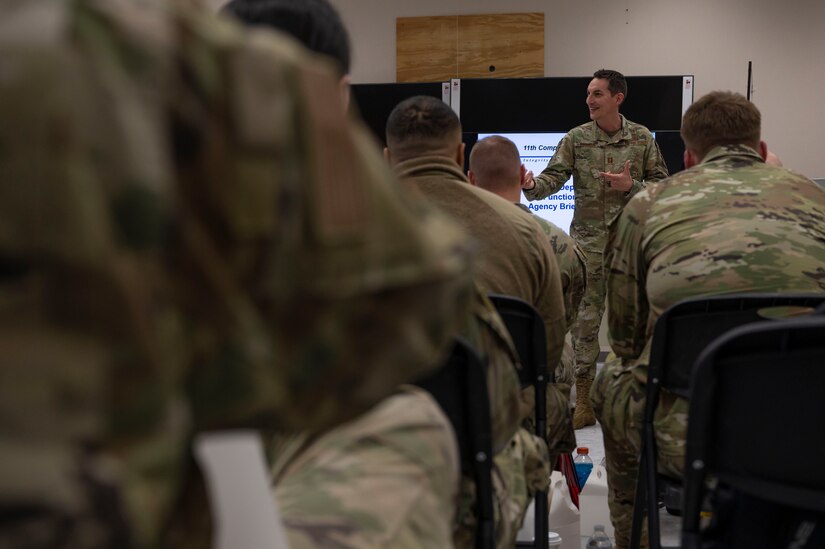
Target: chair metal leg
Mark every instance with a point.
(651, 481)
(639, 502)
(541, 522)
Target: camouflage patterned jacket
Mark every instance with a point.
(731, 224)
(585, 151)
(389, 478)
(572, 265)
(192, 236)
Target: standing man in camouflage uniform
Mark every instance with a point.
(425, 150)
(495, 166)
(611, 159)
(192, 237)
(730, 223)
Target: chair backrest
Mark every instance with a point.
(685, 329)
(755, 416)
(526, 328)
(460, 388)
(680, 335)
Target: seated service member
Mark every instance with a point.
(495, 166)
(729, 223)
(425, 149)
(389, 478)
(178, 255)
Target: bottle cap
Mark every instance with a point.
(583, 450)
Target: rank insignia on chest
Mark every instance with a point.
(609, 159)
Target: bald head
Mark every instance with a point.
(495, 166)
(423, 126)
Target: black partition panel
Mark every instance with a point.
(526, 105)
(672, 147)
(375, 102)
(558, 104)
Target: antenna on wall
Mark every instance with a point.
(750, 79)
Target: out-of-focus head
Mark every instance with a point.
(314, 22)
(720, 118)
(495, 165)
(423, 126)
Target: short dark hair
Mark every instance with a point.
(721, 118)
(616, 81)
(421, 125)
(315, 23)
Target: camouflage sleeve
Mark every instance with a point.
(627, 305)
(518, 472)
(561, 438)
(654, 169)
(402, 455)
(578, 283)
(655, 166)
(557, 172)
(573, 278)
(550, 299)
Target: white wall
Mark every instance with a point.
(711, 39)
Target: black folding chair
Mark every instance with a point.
(756, 398)
(526, 329)
(680, 334)
(460, 388)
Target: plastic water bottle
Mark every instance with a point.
(583, 465)
(599, 539)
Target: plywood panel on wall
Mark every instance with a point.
(426, 48)
(504, 46)
(432, 49)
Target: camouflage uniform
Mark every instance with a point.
(377, 481)
(192, 236)
(573, 271)
(388, 479)
(514, 260)
(518, 472)
(584, 152)
(731, 224)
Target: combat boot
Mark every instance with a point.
(583, 416)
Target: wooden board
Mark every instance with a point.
(426, 49)
(511, 44)
(434, 49)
